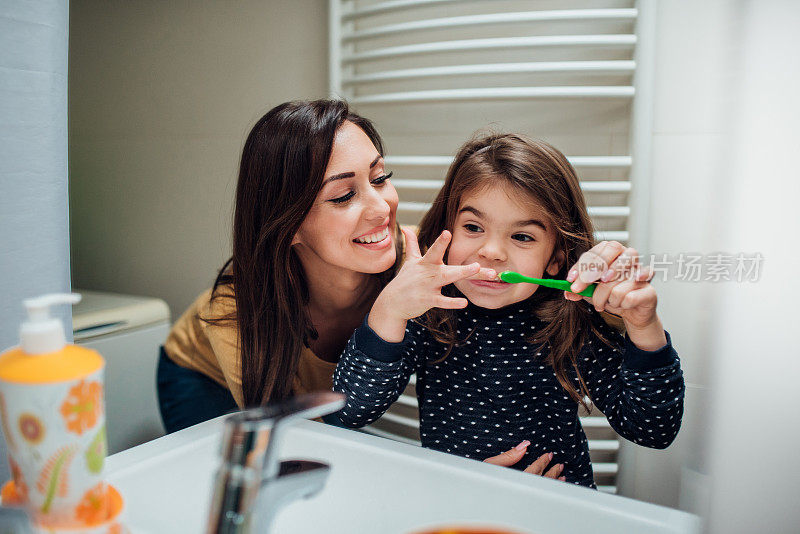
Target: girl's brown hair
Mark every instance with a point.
(538, 170)
(281, 172)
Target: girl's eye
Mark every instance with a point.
(380, 179)
(344, 198)
(525, 238)
(472, 228)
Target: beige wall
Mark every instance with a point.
(161, 97)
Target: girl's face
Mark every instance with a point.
(351, 223)
(503, 229)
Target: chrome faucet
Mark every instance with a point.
(251, 484)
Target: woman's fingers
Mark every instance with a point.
(412, 244)
(435, 254)
(511, 456)
(539, 465)
(555, 471)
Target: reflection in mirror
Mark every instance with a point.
(155, 138)
(162, 98)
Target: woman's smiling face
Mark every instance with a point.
(351, 224)
(500, 227)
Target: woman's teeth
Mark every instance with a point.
(373, 238)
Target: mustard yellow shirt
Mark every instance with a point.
(214, 349)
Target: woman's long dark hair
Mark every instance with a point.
(539, 171)
(281, 172)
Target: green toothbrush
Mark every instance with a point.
(515, 278)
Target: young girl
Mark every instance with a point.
(497, 363)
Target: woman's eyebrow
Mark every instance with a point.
(339, 176)
(350, 174)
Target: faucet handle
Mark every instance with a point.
(251, 437)
(308, 406)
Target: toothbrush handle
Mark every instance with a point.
(589, 291)
(514, 278)
(565, 286)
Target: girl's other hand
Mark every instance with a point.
(418, 287)
(512, 456)
(623, 288)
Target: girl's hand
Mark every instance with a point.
(512, 456)
(418, 287)
(623, 289)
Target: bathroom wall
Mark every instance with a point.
(161, 97)
(690, 93)
(34, 246)
(753, 428)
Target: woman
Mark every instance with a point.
(315, 239)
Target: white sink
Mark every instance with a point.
(375, 485)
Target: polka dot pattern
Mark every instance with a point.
(496, 389)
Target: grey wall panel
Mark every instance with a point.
(34, 237)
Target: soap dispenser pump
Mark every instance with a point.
(42, 333)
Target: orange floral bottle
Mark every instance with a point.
(53, 420)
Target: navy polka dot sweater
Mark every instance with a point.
(496, 390)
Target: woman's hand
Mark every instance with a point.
(512, 456)
(418, 287)
(623, 288)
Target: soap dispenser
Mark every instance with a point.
(53, 419)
